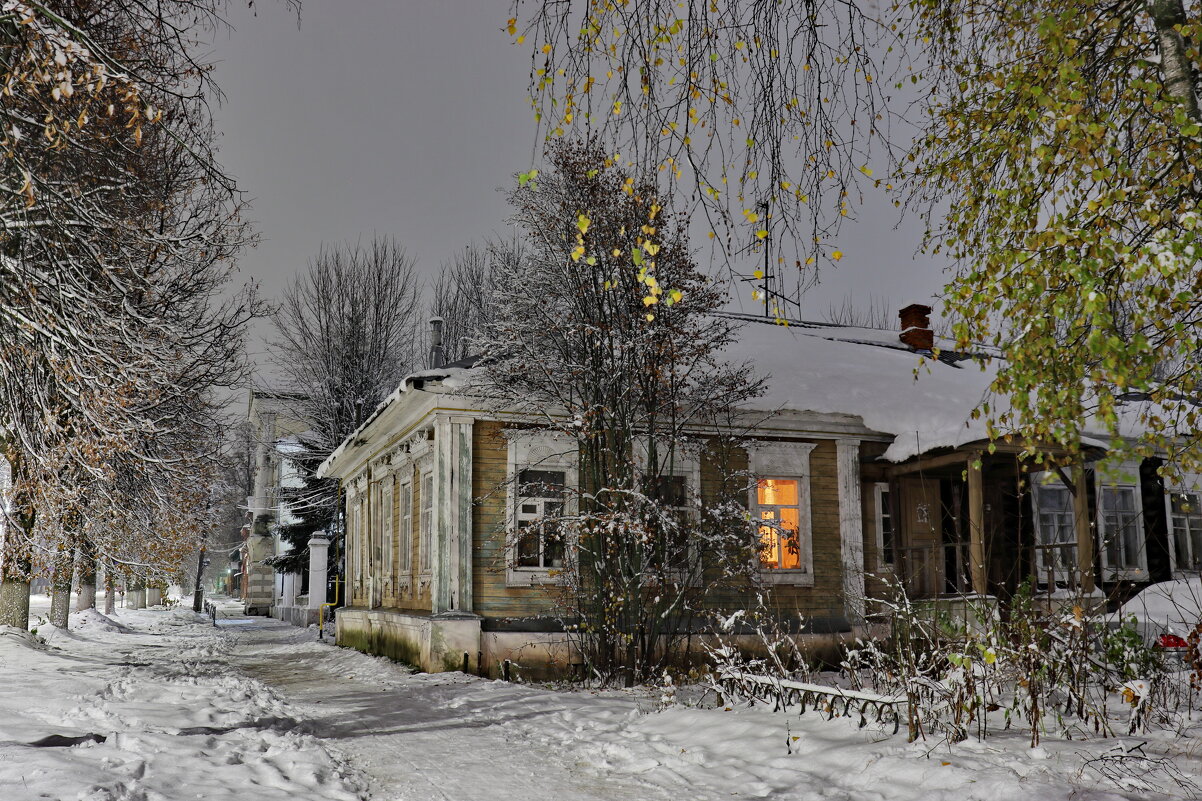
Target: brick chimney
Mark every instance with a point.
(916, 327)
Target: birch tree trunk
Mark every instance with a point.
(1168, 15)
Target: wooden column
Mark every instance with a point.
(451, 538)
(851, 528)
(976, 526)
(1084, 530)
(441, 594)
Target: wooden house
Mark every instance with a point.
(864, 439)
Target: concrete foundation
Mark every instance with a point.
(298, 615)
(437, 643)
(431, 643)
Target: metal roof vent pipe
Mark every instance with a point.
(437, 356)
(916, 327)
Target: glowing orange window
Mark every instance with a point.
(780, 536)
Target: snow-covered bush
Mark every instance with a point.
(1045, 668)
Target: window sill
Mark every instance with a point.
(797, 578)
(533, 576)
(1124, 574)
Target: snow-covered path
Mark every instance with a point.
(445, 736)
(158, 705)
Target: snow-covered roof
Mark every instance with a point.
(451, 377)
(923, 402)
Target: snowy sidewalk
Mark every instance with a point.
(160, 713)
(161, 705)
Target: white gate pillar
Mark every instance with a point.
(319, 546)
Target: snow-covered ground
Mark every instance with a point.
(171, 707)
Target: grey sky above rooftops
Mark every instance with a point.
(405, 118)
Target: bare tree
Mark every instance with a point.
(601, 333)
(462, 298)
(117, 234)
(346, 330)
(879, 313)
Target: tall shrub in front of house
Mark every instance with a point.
(604, 332)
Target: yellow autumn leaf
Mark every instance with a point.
(838, 254)
(676, 295)
(758, 274)
(761, 234)
(578, 253)
(866, 170)
(650, 300)
(651, 248)
(582, 222)
(513, 26)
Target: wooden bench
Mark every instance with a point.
(783, 693)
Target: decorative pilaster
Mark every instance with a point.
(851, 528)
(451, 560)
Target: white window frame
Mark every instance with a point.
(788, 461)
(357, 541)
(405, 534)
(375, 545)
(1180, 571)
(536, 450)
(881, 509)
(425, 524)
(386, 504)
(1140, 571)
(1040, 483)
(686, 464)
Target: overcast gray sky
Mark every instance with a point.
(403, 117)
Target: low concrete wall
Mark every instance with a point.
(431, 643)
(301, 616)
(438, 643)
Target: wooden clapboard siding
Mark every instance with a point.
(823, 599)
(494, 599)
(491, 596)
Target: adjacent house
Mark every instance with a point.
(274, 432)
(863, 447)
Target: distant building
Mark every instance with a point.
(274, 428)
